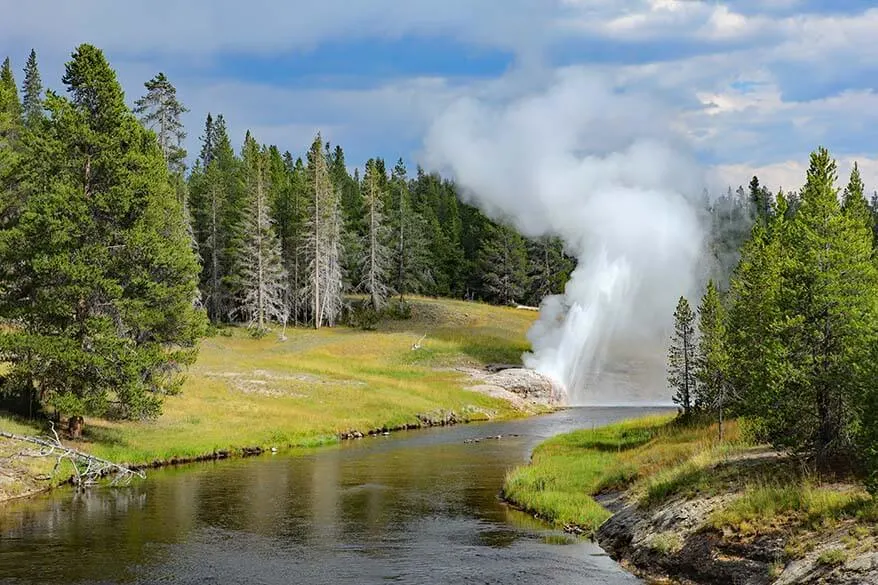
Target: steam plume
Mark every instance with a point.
(598, 168)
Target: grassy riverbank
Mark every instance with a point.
(567, 471)
(685, 505)
(304, 391)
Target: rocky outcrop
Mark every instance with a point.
(524, 388)
(669, 541)
(674, 540)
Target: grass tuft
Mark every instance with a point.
(800, 501)
(832, 557)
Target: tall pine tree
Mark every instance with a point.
(376, 255)
(712, 359)
(831, 304)
(681, 357)
(161, 112)
(504, 265)
(97, 270)
(32, 92)
(854, 202)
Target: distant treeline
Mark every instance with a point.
(383, 234)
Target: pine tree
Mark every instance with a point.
(549, 268)
(712, 359)
(854, 202)
(10, 104)
(209, 230)
(333, 288)
(375, 250)
(263, 277)
(97, 270)
(208, 142)
(504, 265)
(218, 201)
(291, 213)
(758, 353)
(160, 111)
(32, 92)
(760, 201)
(681, 357)
(411, 253)
(873, 207)
(832, 286)
(10, 115)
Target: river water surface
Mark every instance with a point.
(417, 507)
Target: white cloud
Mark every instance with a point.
(790, 175)
(733, 104)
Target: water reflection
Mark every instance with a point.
(415, 508)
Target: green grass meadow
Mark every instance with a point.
(303, 391)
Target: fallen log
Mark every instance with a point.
(87, 469)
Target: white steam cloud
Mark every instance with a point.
(597, 167)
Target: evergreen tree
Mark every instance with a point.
(96, 269)
(549, 268)
(160, 111)
(208, 197)
(218, 202)
(263, 277)
(375, 249)
(757, 349)
(760, 201)
(831, 305)
(504, 265)
(712, 359)
(291, 214)
(411, 253)
(208, 142)
(32, 92)
(873, 207)
(854, 202)
(730, 222)
(10, 104)
(10, 113)
(681, 357)
(7, 136)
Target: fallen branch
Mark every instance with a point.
(87, 469)
(417, 346)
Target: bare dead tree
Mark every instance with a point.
(263, 274)
(87, 469)
(376, 256)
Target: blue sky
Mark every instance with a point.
(754, 85)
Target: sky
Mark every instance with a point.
(753, 85)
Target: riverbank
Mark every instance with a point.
(670, 501)
(247, 395)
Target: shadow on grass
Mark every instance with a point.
(107, 436)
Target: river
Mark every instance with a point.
(417, 507)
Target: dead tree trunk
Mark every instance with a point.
(87, 469)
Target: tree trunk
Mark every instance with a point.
(74, 427)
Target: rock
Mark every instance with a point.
(672, 539)
(532, 386)
(865, 563)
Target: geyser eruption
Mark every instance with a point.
(598, 168)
